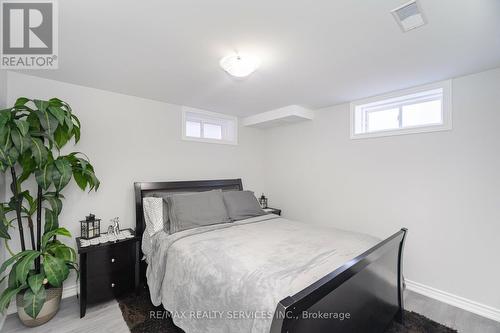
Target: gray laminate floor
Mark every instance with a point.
(107, 318)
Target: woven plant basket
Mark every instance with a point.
(49, 308)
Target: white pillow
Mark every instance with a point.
(153, 214)
(146, 246)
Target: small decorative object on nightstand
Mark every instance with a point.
(263, 201)
(116, 226)
(90, 227)
(108, 269)
(270, 210)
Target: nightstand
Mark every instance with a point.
(107, 270)
(270, 210)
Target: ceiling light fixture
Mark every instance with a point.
(239, 65)
(409, 16)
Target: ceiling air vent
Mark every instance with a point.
(409, 16)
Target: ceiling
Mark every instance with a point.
(314, 53)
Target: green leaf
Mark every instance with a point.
(61, 174)
(27, 196)
(28, 164)
(55, 203)
(83, 162)
(44, 176)
(80, 179)
(61, 136)
(48, 121)
(69, 123)
(56, 102)
(48, 235)
(25, 265)
(77, 127)
(95, 181)
(58, 113)
(50, 220)
(39, 151)
(5, 141)
(55, 269)
(76, 131)
(53, 194)
(62, 251)
(4, 154)
(33, 302)
(12, 277)
(9, 156)
(17, 140)
(4, 230)
(77, 121)
(90, 177)
(20, 142)
(34, 122)
(4, 117)
(23, 126)
(21, 101)
(35, 282)
(41, 105)
(32, 204)
(14, 258)
(73, 265)
(13, 156)
(7, 296)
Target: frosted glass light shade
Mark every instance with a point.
(239, 65)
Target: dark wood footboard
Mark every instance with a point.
(364, 295)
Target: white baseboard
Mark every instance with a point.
(68, 291)
(454, 300)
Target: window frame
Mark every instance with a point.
(213, 118)
(384, 100)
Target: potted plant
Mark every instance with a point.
(32, 133)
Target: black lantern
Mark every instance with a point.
(90, 227)
(263, 201)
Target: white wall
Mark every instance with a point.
(443, 186)
(131, 139)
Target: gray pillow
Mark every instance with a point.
(166, 220)
(242, 205)
(187, 211)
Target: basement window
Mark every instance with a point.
(423, 109)
(205, 126)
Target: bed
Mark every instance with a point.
(270, 274)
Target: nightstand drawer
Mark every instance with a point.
(107, 286)
(112, 258)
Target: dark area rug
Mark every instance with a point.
(137, 309)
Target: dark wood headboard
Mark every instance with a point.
(146, 189)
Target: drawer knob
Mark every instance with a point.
(112, 285)
(113, 260)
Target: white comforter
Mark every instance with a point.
(230, 277)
